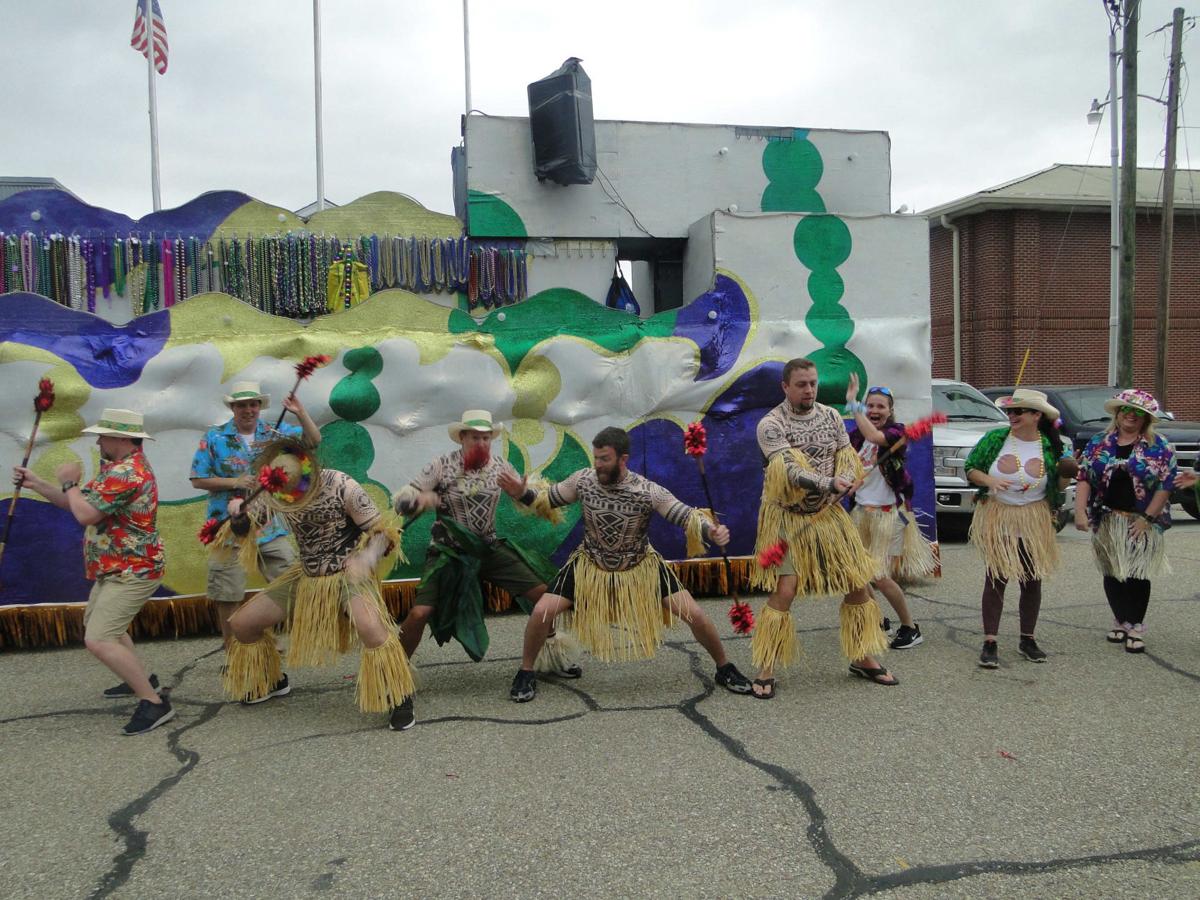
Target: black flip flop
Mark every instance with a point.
(873, 675)
(769, 684)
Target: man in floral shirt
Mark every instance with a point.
(122, 551)
(222, 466)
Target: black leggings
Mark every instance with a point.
(1127, 599)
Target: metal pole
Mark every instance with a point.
(1168, 213)
(467, 55)
(317, 95)
(154, 189)
(1128, 192)
(1114, 214)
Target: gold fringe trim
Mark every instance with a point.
(251, 670)
(774, 643)
(384, 677)
(559, 652)
(1119, 554)
(540, 506)
(824, 548)
(996, 529)
(618, 615)
(860, 631)
(694, 529)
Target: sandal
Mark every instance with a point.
(769, 685)
(873, 675)
(1116, 636)
(1134, 642)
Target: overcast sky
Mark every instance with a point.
(972, 92)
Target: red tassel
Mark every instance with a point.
(45, 398)
(208, 531)
(772, 556)
(695, 440)
(311, 364)
(923, 427)
(272, 478)
(741, 616)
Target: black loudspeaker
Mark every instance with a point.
(560, 122)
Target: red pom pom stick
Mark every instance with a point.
(41, 403)
(741, 616)
(304, 369)
(272, 478)
(208, 531)
(772, 556)
(695, 440)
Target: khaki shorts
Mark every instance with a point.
(227, 578)
(501, 566)
(113, 603)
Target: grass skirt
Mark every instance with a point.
(251, 670)
(384, 677)
(774, 643)
(1121, 555)
(860, 631)
(824, 548)
(877, 529)
(561, 651)
(618, 615)
(1010, 536)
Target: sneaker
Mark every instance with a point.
(524, 686)
(149, 716)
(403, 717)
(731, 679)
(281, 689)
(907, 637)
(988, 658)
(124, 690)
(572, 670)
(1029, 649)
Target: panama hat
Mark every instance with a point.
(1027, 398)
(119, 423)
(1138, 399)
(247, 390)
(474, 420)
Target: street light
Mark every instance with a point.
(1096, 113)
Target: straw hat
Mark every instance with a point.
(1138, 399)
(1027, 398)
(474, 420)
(296, 464)
(247, 390)
(119, 423)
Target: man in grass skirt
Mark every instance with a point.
(810, 465)
(331, 596)
(615, 591)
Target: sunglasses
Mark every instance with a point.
(1018, 411)
(879, 390)
(1131, 409)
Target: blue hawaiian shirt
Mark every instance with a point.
(223, 455)
(1151, 468)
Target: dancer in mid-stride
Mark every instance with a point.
(807, 545)
(615, 591)
(330, 596)
(1124, 498)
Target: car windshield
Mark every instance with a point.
(1087, 404)
(961, 403)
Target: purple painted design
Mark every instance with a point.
(63, 213)
(720, 339)
(105, 355)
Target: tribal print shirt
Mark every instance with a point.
(469, 498)
(328, 529)
(616, 517)
(819, 435)
(126, 540)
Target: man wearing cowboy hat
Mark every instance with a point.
(222, 466)
(464, 488)
(122, 551)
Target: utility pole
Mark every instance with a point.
(1168, 213)
(1128, 191)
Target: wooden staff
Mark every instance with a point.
(304, 369)
(41, 403)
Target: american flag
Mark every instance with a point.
(138, 41)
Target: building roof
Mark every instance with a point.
(1068, 186)
(14, 184)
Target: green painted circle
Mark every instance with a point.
(831, 325)
(822, 241)
(347, 446)
(826, 287)
(355, 398)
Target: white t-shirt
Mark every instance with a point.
(1020, 463)
(874, 490)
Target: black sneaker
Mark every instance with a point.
(149, 716)
(731, 679)
(573, 670)
(403, 717)
(988, 658)
(124, 690)
(524, 686)
(281, 689)
(907, 637)
(1029, 649)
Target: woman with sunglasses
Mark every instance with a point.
(1124, 497)
(881, 505)
(1021, 473)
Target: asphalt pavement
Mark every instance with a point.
(1075, 778)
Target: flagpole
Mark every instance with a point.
(467, 54)
(153, 107)
(317, 91)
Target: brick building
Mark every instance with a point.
(1034, 272)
